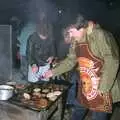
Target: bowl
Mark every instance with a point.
(6, 92)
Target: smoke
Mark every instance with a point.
(37, 7)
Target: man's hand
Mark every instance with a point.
(50, 59)
(48, 74)
(34, 68)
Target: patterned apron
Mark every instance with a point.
(89, 68)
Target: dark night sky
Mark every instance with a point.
(104, 11)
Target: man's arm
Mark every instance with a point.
(67, 64)
(109, 51)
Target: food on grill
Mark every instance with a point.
(57, 93)
(20, 86)
(45, 90)
(43, 95)
(50, 86)
(36, 95)
(51, 94)
(26, 96)
(53, 98)
(51, 90)
(56, 87)
(39, 96)
(36, 90)
(42, 103)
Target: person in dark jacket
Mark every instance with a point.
(40, 49)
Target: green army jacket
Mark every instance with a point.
(102, 45)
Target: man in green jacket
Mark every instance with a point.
(95, 53)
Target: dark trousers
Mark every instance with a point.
(79, 113)
(72, 91)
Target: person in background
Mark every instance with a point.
(94, 52)
(15, 22)
(40, 49)
(28, 29)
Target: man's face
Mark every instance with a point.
(76, 34)
(73, 32)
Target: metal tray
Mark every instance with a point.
(17, 101)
